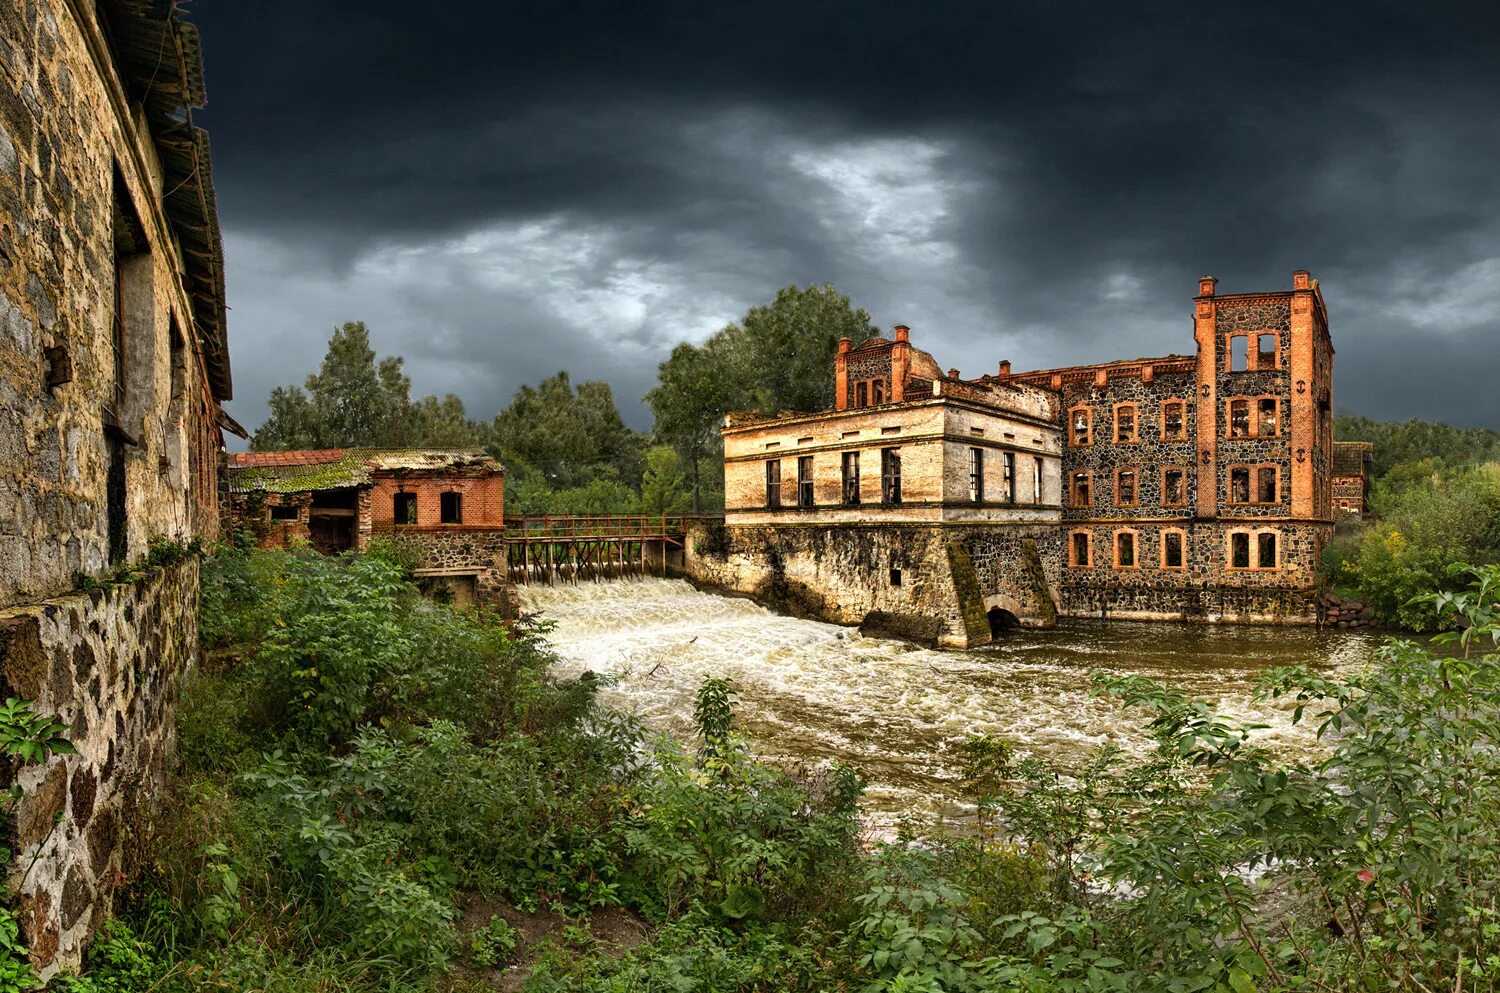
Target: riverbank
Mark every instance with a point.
(379, 794)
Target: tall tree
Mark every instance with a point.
(353, 401)
(569, 436)
(777, 357)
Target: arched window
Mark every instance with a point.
(1127, 423)
(1080, 426)
(1079, 550)
(1173, 549)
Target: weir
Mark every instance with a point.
(555, 549)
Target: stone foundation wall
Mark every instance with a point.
(929, 583)
(108, 662)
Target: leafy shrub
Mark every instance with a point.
(494, 943)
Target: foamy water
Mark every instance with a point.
(814, 691)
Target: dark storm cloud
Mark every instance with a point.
(503, 190)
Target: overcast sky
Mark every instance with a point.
(502, 190)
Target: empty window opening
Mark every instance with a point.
(1078, 495)
(895, 576)
(1125, 418)
(893, 429)
(1125, 488)
(1001, 620)
(977, 432)
(114, 499)
(850, 434)
(773, 483)
(805, 481)
(1266, 551)
(877, 391)
(1266, 419)
(1265, 357)
(1265, 484)
(406, 508)
(1174, 487)
(976, 475)
(805, 441)
(1078, 550)
(1239, 353)
(284, 512)
(890, 477)
(1171, 550)
(1239, 485)
(1125, 549)
(1036, 480)
(861, 394)
(1010, 477)
(1080, 424)
(851, 478)
(1173, 424)
(1239, 550)
(451, 508)
(1239, 418)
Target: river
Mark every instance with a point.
(814, 691)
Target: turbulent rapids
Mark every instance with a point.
(812, 691)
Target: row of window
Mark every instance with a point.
(1245, 550)
(1247, 417)
(890, 479)
(1249, 485)
(450, 508)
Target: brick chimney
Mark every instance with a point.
(841, 375)
(900, 363)
(1206, 286)
(1005, 367)
(1301, 280)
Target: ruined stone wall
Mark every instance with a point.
(107, 662)
(1149, 454)
(929, 583)
(1205, 589)
(69, 151)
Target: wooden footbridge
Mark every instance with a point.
(552, 549)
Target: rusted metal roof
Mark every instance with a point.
(160, 63)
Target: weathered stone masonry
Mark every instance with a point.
(113, 365)
(1193, 487)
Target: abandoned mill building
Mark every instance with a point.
(113, 365)
(447, 505)
(1195, 487)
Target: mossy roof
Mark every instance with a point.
(341, 468)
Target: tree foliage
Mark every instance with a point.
(353, 401)
(777, 357)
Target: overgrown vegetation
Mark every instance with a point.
(1435, 500)
(359, 764)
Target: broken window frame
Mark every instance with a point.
(1166, 487)
(890, 477)
(1127, 416)
(1168, 409)
(1127, 482)
(1080, 427)
(1080, 489)
(773, 484)
(976, 475)
(407, 501)
(850, 477)
(806, 495)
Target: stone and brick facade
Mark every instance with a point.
(448, 504)
(1351, 476)
(113, 366)
(1194, 487)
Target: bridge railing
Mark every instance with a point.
(565, 526)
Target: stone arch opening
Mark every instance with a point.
(1001, 621)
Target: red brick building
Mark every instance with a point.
(448, 503)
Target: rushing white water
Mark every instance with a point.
(814, 691)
